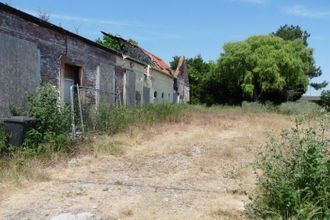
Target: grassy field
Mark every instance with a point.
(196, 163)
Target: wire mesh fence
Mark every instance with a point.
(86, 103)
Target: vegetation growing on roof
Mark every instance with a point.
(114, 43)
(110, 42)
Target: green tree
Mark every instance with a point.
(291, 33)
(174, 63)
(261, 68)
(197, 70)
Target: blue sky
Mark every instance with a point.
(190, 27)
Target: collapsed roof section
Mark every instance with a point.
(129, 49)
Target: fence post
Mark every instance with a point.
(73, 126)
(80, 110)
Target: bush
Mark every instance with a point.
(325, 99)
(300, 108)
(294, 177)
(53, 121)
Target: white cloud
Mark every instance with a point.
(255, 2)
(302, 11)
(86, 20)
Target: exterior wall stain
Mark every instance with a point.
(48, 48)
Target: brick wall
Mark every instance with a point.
(55, 47)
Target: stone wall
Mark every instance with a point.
(32, 49)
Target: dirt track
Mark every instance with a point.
(195, 170)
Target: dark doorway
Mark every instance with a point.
(71, 76)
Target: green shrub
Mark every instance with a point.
(325, 99)
(3, 139)
(300, 108)
(53, 121)
(294, 177)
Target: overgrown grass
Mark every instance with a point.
(293, 176)
(108, 147)
(50, 142)
(306, 108)
(27, 162)
(301, 108)
(115, 119)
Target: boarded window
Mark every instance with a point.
(137, 98)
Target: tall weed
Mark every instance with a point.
(53, 121)
(293, 176)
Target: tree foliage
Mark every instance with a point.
(318, 86)
(261, 68)
(325, 99)
(174, 63)
(197, 70)
(291, 32)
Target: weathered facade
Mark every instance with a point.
(34, 51)
(181, 82)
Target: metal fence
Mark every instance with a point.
(85, 104)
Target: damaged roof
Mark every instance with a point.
(142, 55)
(138, 55)
(159, 62)
(42, 23)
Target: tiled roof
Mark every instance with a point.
(156, 62)
(159, 62)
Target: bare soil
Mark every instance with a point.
(199, 169)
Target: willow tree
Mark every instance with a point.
(262, 68)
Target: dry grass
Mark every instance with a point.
(18, 172)
(196, 169)
(109, 147)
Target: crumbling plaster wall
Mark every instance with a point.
(162, 84)
(43, 52)
(182, 81)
